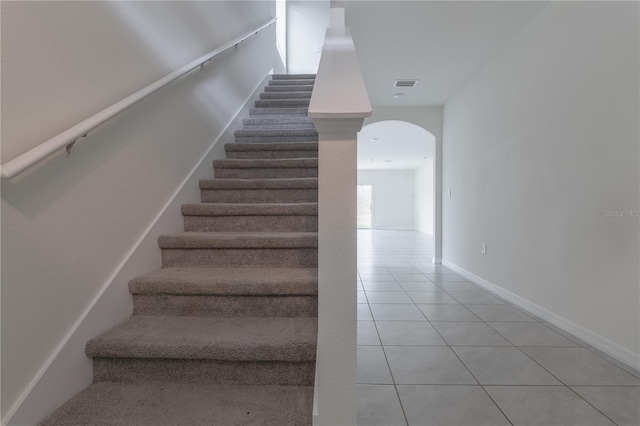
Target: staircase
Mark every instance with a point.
(225, 333)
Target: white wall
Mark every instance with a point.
(423, 183)
(393, 197)
(280, 66)
(538, 145)
(307, 23)
(69, 224)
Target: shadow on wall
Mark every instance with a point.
(397, 158)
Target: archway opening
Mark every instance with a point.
(396, 170)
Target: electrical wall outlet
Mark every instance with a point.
(484, 248)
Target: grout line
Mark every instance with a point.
(450, 349)
(469, 370)
(544, 323)
(636, 375)
(442, 270)
(554, 376)
(393, 379)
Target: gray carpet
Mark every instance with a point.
(225, 333)
(159, 404)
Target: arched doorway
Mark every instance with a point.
(397, 168)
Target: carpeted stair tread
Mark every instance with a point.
(268, 163)
(290, 88)
(239, 240)
(279, 126)
(289, 190)
(293, 76)
(164, 404)
(266, 168)
(218, 338)
(228, 281)
(271, 150)
(292, 183)
(250, 209)
(273, 121)
(292, 82)
(276, 139)
(282, 103)
(271, 146)
(276, 132)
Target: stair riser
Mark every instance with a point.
(266, 173)
(248, 155)
(137, 370)
(292, 82)
(251, 223)
(306, 126)
(293, 77)
(280, 120)
(301, 133)
(278, 112)
(225, 306)
(285, 95)
(275, 139)
(282, 103)
(298, 88)
(242, 258)
(259, 195)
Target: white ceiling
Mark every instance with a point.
(405, 144)
(440, 43)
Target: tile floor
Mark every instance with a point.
(435, 349)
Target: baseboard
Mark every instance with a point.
(113, 304)
(616, 351)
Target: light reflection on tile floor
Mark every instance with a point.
(435, 349)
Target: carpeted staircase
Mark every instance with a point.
(225, 333)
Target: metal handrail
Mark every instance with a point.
(70, 136)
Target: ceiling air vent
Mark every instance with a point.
(405, 83)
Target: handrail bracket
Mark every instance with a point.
(205, 63)
(70, 145)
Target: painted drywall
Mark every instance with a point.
(393, 197)
(394, 145)
(307, 23)
(280, 66)
(335, 398)
(430, 119)
(424, 199)
(439, 43)
(541, 154)
(70, 223)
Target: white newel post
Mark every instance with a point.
(339, 104)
